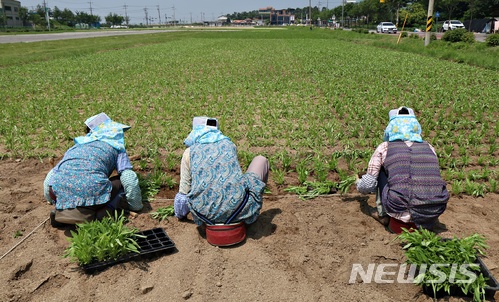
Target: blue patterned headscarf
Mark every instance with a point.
(403, 127)
(201, 134)
(109, 132)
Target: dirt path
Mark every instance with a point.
(296, 251)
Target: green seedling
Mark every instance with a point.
(311, 190)
(163, 213)
(345, 184)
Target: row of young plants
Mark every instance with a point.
(313, 102)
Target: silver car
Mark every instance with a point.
(386, 27)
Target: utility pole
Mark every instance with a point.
(342, 13)
(429, 23)
(91, 13)
(46, 14)
(147, 18)
(173, 8)
(191, 17)
(159, 16)
(126, 16)
(310, 12)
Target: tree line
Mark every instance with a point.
(373, 11)
(65, 17)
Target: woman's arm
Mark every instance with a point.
(369, 181)
(130, 182)
(181, 202)
(46, 187)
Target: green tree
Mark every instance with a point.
(3, 19)
(23, 15)
(371, 9)
(65, 17)
(479, 9)
(85, 18)
(114, 19)
(449, 7)
(416, 14)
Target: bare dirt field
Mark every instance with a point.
(296, 251)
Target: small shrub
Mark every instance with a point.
(458, 35)
(414, 36)
(404, 34)
(492, 40)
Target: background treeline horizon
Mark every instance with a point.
(365, 13)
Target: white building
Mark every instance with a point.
(10, 11)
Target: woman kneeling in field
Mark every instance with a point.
(405, 171)
(212, 185)
(80, 186)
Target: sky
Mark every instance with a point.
(183, 10)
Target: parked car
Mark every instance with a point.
(386, 27)
(452, 24)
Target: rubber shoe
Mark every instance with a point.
(384, 220)
(55, 223)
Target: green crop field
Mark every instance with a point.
(314, 102)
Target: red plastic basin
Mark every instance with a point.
(395, 226)
(225, 234)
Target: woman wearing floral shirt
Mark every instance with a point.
(80, 186)
(212, 185)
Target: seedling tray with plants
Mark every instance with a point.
(449, 266)
(98, 244)
(152, 243)
(490, 287)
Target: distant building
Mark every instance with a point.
(277, 16)
(282, 17)
(10, 11)
(245, 22)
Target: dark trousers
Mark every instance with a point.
(82, 214)
(382, 182)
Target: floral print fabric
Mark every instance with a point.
(404, 128)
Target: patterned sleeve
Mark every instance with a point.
(46, 184)
(369, 181)
(123, 162)
(377, 160)
(130, 184)
(181, 205)
(367, 184)
(185, 173)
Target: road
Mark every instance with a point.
(27, 38)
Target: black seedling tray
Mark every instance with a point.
(155, 244)
(492, 285)
(490, 289)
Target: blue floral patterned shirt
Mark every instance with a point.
(81, 178)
